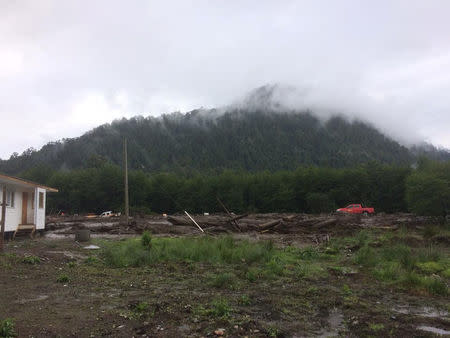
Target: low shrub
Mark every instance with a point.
(273, 331)
(430, 267)
(253, 274)
(435, 286)
(63, 278)
(244, 300)
(31, 260)
(346, 290)
(446, 273)
(140, 309)
(146, 240)
(220, 308)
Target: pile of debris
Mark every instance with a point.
(278, 223)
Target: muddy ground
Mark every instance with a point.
(68, 291)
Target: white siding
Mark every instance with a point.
(13, 214)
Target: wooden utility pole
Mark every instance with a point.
(125, 169)
(2, 234)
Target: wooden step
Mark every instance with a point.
(25, 227)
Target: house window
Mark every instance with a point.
(41, 200)
(32, 200)
(10, 198)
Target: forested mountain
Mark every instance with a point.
(251, 136)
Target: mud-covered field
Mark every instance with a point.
(375, 278)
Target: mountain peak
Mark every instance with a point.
(271, 97)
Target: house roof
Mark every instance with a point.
(20, 181)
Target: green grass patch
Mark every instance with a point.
(310, 270)
(63, 278)
(310, 253)
(253, 274)
(406, 267)
(430, 253)
(376, 327)
(273, 331)
(222, 280)
(446, 273)
(31, 260)
(346, 290)
(430, 267)
(72, 264)
(430, 231)
(388, 272)
(244, 300)
(435, 285)
(366, 256)
(218, 308)
(7, 329)
(91, 260)
(140, 309)
(220, 250)
(234, 258)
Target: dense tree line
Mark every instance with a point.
(425, 190)
(239, 140)
(428, 188)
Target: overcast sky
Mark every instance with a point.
(68, 66)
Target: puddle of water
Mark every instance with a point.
(335, 322)
(425, 311)
(69, 254)
(98, 225)
(434, 330)
(53, 235)
(37, 299)
(335, 319)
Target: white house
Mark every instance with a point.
(25, 203)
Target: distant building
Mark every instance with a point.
(25, 204)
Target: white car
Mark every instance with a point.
(106, 214)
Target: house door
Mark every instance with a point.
(24, 207)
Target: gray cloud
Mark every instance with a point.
(67, 66)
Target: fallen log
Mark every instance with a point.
(268, 225)
(325, 223)
(235, 218)
(176, 220)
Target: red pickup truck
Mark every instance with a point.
(356, 209)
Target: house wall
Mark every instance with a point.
(13, 214)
